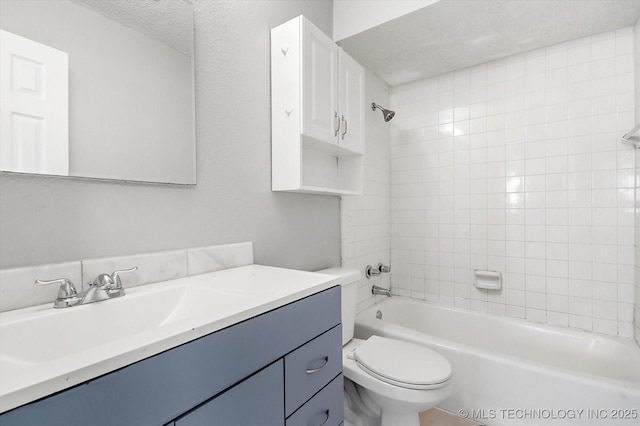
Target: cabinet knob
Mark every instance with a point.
(288, 111)
(285, 50)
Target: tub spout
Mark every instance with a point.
(380, 290)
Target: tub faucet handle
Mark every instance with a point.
(370, 271)
(383, 269)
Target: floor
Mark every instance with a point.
(437, 417)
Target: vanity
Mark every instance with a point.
(266, 350)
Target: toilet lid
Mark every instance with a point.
(403, 364)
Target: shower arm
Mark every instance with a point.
(631, 138)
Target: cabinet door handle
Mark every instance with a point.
(315, 370)
(335, 133)
(328, 414)
(345, 127)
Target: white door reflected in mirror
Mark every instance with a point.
(34, 110)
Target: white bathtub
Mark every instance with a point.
(512, 372)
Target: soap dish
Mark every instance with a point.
(489, 280)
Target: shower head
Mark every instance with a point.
(386, 113)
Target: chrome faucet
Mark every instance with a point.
(370, 271)
(104, 287)
(380, 291)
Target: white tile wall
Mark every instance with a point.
(637, 184)
(637, 253)
(17, 288)
(365, 219)
(515, 165)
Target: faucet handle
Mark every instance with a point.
(67, 293)
(383, 269)
(116, 276)
(370, 271)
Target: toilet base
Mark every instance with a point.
(397, 418)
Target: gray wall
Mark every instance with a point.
(44, 219)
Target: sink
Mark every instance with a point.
(53, 333)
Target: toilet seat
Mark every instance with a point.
(402, 364)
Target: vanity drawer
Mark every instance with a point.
(324, 409)
(310, 367)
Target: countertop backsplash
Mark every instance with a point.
(18, 290)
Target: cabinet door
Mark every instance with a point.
(320, 85)
(257, 401)
(352, 104)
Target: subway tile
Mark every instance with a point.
(557, 303)
(605, 326)
(558, 286)
(581, 322)
(579, 54)
(558, 319)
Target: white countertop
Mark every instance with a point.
(244, 292)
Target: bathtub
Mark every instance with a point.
(513, 372)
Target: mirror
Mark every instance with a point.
(98, 88)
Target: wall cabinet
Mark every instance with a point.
(283, 367)
(317, 112)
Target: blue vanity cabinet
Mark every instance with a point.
(254, 401)
(210, 377)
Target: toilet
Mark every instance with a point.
(388, 382)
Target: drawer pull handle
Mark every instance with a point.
(315, 370)
(327, 413)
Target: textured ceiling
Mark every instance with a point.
(170, 21)
(454, 34)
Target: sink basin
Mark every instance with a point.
(54, 333)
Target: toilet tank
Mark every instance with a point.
(349, 279)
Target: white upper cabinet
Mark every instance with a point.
(317, 112)
(351, 80)
(332, 91)
(319, 85)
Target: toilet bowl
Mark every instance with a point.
(394, 380)
(401, 378)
